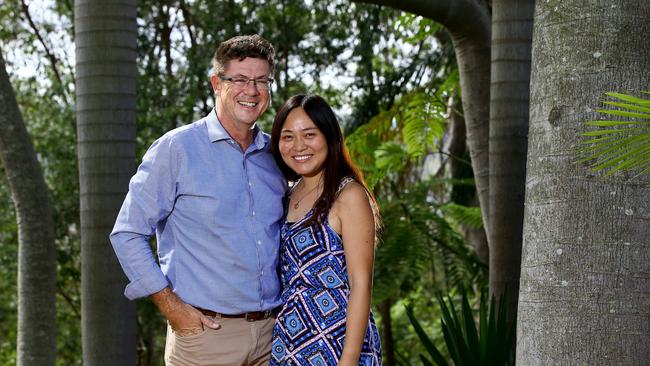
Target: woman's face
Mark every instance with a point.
(302, 145)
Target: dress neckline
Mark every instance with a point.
(302, 219)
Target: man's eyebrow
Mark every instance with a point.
(248, 77)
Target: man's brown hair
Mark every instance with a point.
(240, 47)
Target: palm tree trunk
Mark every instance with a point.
(36, 251)
(512, 31)
(460, 169)
(585, 282)
(387, 344)
(105, 38)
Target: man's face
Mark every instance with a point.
(240, 106)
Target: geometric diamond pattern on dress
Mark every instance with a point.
(317, 360)
(303, 240)
(278, 351)
(329, 278)
(310, 327)
(326, 304)
(328, 307)
(293, 324)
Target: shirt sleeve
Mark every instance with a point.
(151, 196)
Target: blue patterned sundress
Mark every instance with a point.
(310, 327)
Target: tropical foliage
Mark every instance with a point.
(487, 344)
(622, 141)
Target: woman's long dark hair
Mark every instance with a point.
(337, 165)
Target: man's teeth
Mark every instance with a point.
(248, 104)
(302, 157)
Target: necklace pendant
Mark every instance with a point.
(295, 206)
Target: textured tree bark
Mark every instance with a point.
(512, 32)
(585, 283)
(36, 251)
(105, 40)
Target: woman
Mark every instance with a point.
(328, 242)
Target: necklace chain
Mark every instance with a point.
(295, 205)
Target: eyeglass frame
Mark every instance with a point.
(255, 81)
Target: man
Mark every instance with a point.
(212, 194)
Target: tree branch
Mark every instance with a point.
(188, 18)
(69, 301)
(50, 56)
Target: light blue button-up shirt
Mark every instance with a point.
(216, 212)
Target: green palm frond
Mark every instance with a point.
(424, 123)
(390, 156)
(621, 144)
(468, 216)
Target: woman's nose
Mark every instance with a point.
(299, 144)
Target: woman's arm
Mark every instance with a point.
(354, 216)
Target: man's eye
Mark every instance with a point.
(240, 81)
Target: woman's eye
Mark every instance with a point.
(286, 137)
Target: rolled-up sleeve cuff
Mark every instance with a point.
(145, 286)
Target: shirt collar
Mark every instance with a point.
(216, 132)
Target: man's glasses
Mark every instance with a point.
(241, 82)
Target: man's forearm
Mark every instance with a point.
(167, 301)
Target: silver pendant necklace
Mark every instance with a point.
(297, 204)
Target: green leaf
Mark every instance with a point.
(613, 159)
(630, 98)
(616, 123)
(633, 107)
(424, 338)
(609, 147)
(471, 335)
(612, 131)
(469, 216)
(617, 112)
(488, 345)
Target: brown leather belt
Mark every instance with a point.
(250, 316)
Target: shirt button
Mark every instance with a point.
(259, 242)
(250, 184)
(253, 213)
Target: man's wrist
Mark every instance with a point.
(166, 301)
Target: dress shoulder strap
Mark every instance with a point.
(293, 187)
(344, 182)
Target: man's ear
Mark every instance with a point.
(216, 83)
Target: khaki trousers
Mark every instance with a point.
(237, 343)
